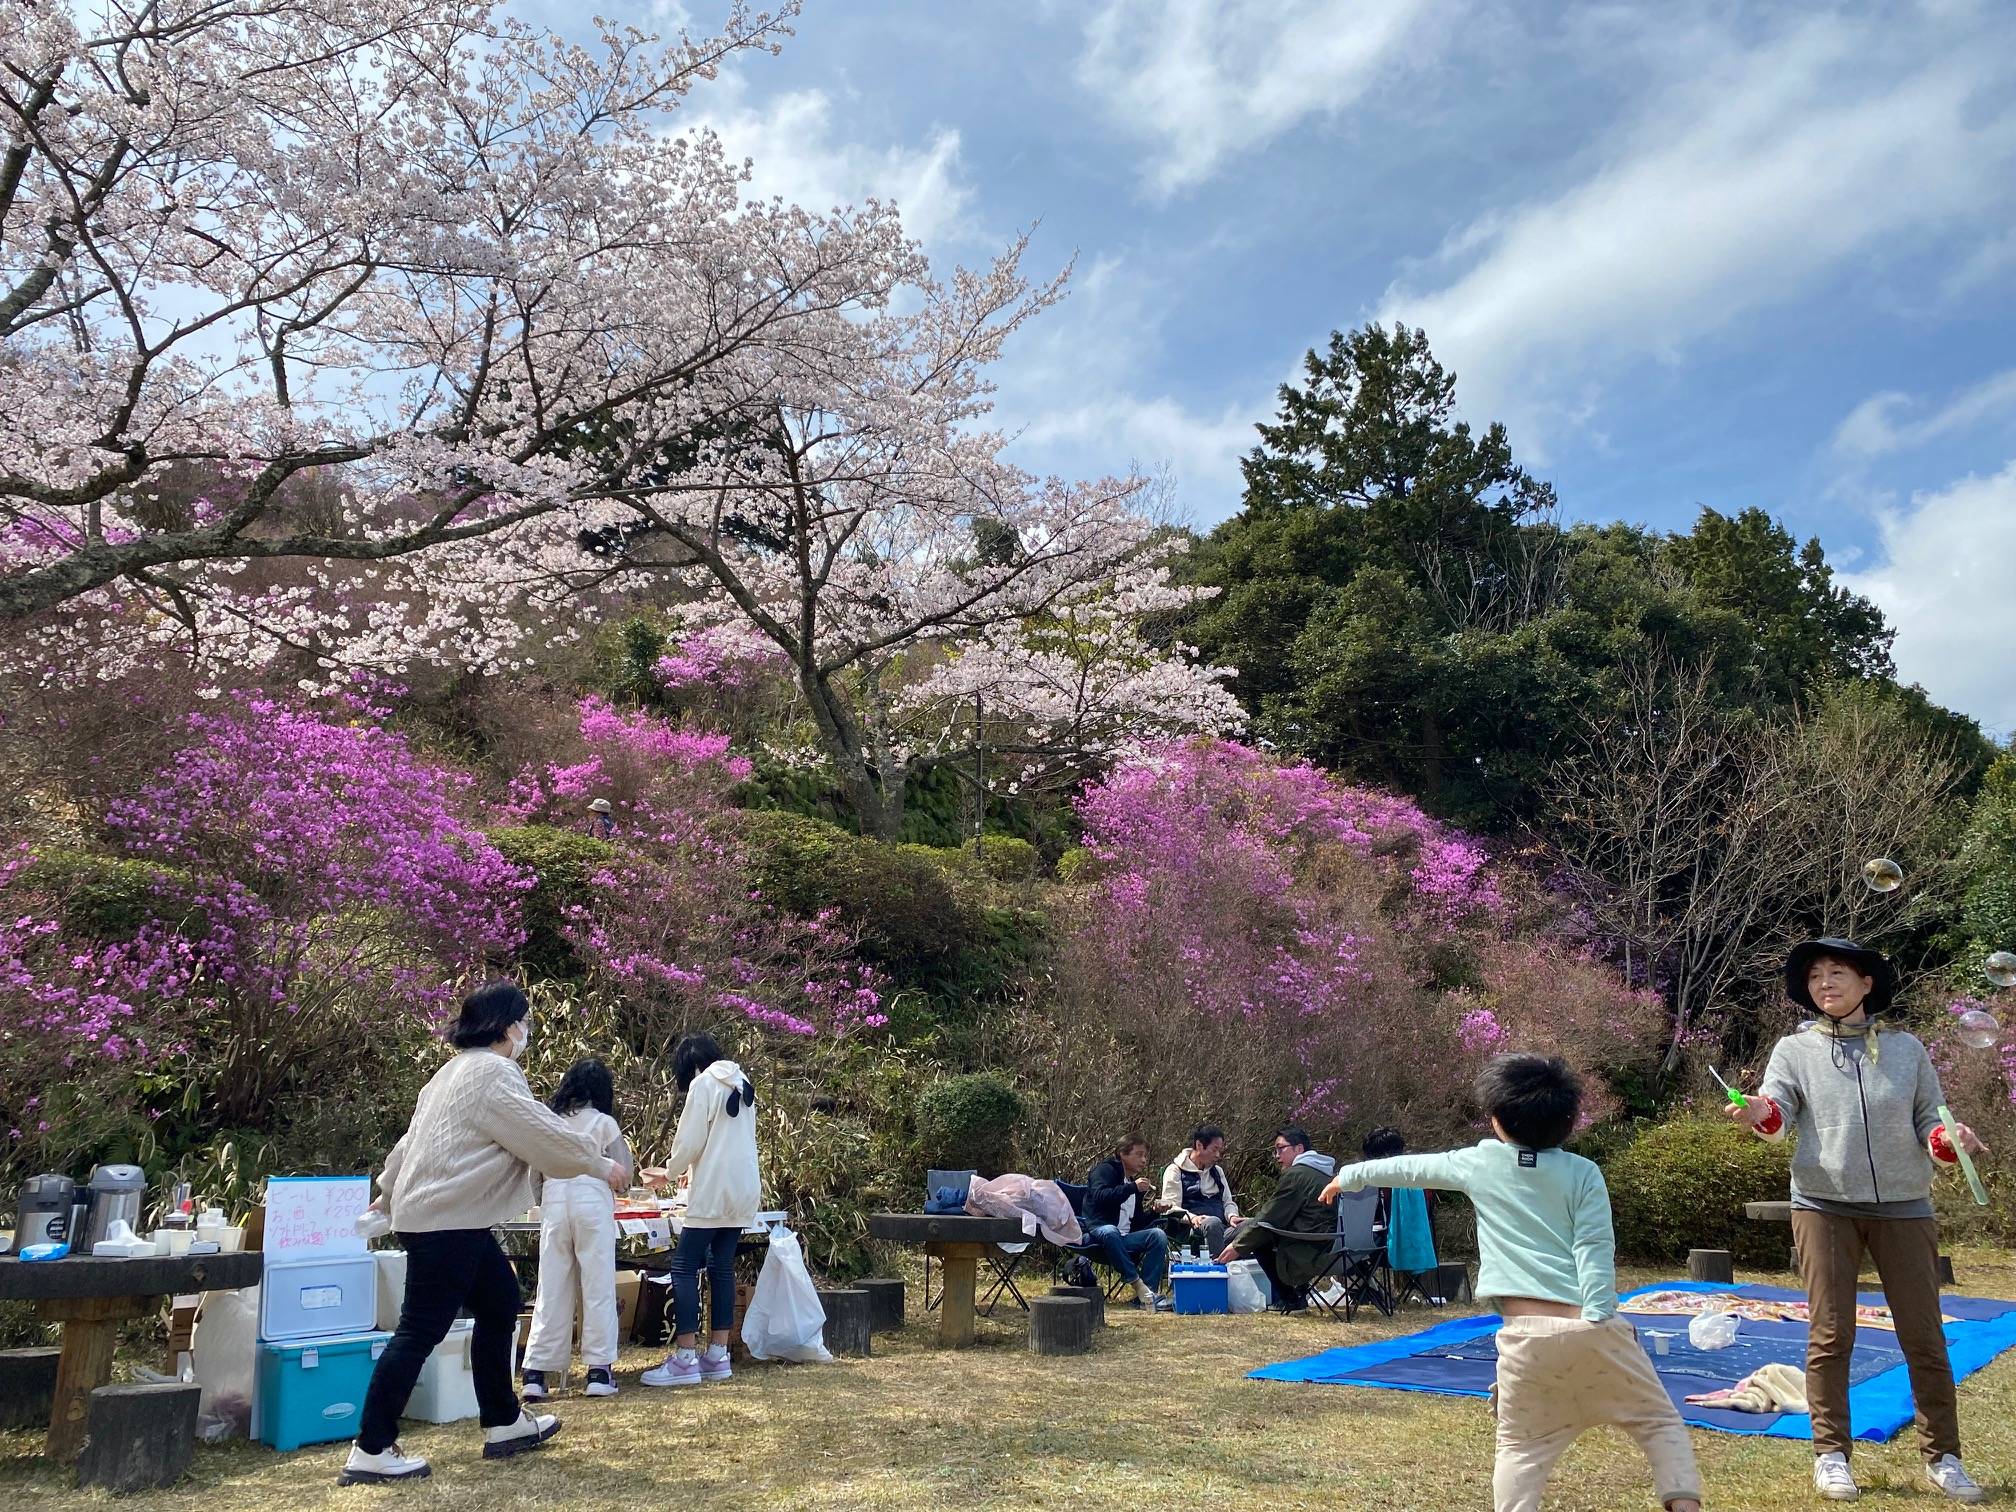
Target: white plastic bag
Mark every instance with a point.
(224, 1357)
(1715, 1330)
(1246, 1288)
(785, 1320)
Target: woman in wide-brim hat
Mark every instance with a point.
(1865, 1101)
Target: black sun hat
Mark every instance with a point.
(1870, 963)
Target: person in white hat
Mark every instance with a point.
(600, 823)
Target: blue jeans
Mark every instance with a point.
(711, 1250)
(1140, 1256)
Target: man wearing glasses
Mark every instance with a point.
(1297, 1207)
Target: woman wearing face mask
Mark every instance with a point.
(1865, 1103)
(464, 1165)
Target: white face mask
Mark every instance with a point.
(518, 1045)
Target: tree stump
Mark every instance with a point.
(1095, 1299)
(27, 1387)
(1060, 1325)
(1710, 1265)
(848, 1329)
(138, 1438)
(1946, 1270)
(885, 1302)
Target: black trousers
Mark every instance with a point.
(445, 1273)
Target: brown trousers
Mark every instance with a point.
(1906, 1255)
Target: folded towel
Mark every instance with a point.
(1774, 1389)
(1410, 1238)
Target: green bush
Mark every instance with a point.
(1077, 866)
(1682, 1185)
(1005, 858)
(970, 1122)
(909, 919)
(108, 898)
(563, 861)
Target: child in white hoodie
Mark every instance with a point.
(577, 1245)
(716, 1140)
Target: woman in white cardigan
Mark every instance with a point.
(464, 1165)
(716, 1141)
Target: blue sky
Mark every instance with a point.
(1720, 255)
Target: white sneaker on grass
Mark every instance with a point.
(600, 1382)
(1945, 1473)
(715, 1364)
(681, 1368)
(528, 1433)
(1833, 1479)
(388, 1464)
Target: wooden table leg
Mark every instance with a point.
(961, 1266)
(90, 1334)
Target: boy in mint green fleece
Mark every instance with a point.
(1566, 1361)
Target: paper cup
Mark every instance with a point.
(230, 1241)
(177, 1240)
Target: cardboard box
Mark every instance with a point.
(629, 1288)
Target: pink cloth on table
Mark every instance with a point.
(1040, 1205)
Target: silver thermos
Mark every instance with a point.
(42, 1211)
(115, 1192)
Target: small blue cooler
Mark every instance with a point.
(311, 1391)
(1200, 1288)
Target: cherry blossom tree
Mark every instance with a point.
(454, 341)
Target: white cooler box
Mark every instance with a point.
(315, 1298)
(446, 1390)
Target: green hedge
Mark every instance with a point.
(970, 1123)
(564, 861)
(1077, 866)
(1005, 858)
(1682, 1185)
(107, 897)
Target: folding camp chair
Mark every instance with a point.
(1002, 1261)
(1357, 1260)
(1401, 1285)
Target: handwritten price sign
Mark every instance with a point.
(315, 1215)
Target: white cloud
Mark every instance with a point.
(1761, 169)
(1883, 423)
(800, 152)
(1204, 80)
(1079, 393)
(1944, 586)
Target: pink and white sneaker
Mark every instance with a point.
(681, 1368)
(714, 1365)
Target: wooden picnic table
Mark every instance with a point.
(957, 1241)
(90, 1296)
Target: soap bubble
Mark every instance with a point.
(1978, 1029)
(2001, 968)
(1883, 875)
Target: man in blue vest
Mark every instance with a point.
(1194, 1183)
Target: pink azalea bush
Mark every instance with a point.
(1263, 943)
(313, 883)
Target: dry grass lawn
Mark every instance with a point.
(1159, 1415)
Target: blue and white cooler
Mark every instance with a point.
(318, 1310)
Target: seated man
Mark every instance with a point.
(1297, 1207)
(1120, 1207)
(1195, 1189)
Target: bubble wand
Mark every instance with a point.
(1736, 1098)
(1966, 1160)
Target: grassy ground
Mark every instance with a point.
(1160, 1414)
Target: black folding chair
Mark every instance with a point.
(1356, 1261)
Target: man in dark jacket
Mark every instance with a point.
(1120, 1208)
(1297, 1207)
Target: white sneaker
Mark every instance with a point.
(528, 1433)
(600, 1382)
(363, 1469)
(681, 1368)
(1833, 1479)
(1946, 1474)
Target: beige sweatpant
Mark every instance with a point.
(1558, 1377)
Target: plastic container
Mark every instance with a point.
(446, 1390)
(391, 1267)
(1200, 1288)
(302, 1299)
(311, 1391)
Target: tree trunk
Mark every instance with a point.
(878, 805)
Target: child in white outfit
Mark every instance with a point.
(577, 1245)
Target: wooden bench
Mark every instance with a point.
(957, 1241)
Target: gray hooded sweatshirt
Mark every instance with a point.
(1863, 1105)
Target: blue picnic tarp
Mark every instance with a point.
(1460, 1358)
